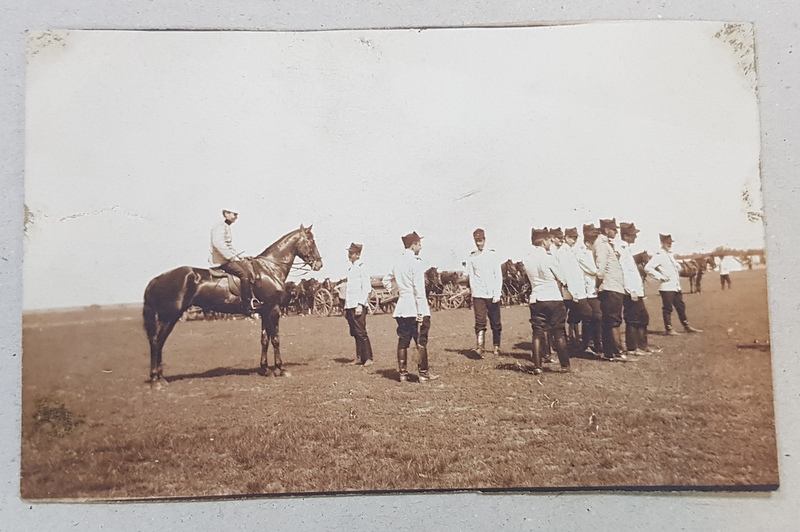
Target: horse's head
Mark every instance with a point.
(306, 248)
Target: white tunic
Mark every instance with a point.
(485, 275)
(631, 277)
(358, 285)
(408, 274)
(666, 269)
(574, 288)
(544, 275)
(221, 244)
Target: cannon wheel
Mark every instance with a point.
(374, 303)
(323, 302)
(452, 296)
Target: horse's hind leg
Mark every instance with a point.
(163, 331)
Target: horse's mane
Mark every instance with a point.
(280, 242)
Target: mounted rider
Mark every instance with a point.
(224, 256)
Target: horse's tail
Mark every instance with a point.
(150, 309)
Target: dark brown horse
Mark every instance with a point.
(693, 269)
(171, 293)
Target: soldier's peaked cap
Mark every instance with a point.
(410, 238)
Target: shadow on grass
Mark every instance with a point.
(223, 372)
(467, 353)
(394, 375)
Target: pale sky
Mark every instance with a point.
(136, 140)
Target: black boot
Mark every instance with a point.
(617, 348)
(424, 374)
(359, 353)
(563, 352)
(480, 343)
(366, 352)
(537, 355)
(402, 360)
(631, 338)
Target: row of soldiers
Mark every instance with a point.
(581, 292)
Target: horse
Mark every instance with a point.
(694, 269)
(516, 288)
(434, 287)
(641, 260)
(171, 293)
(703, 264)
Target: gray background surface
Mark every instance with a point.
(776, 26)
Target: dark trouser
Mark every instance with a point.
(549, 316)
(592, 325)
(577, 310)
(725, 279)
(235, 267)
(611, 307)
(636, 321)
(484, 307)
(408, 329)
(669, 300)
(358, 330)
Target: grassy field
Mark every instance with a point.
(700, 413)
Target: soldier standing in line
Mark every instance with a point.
(612, 289)
(634, 309)
(592, 327)
(548, 312)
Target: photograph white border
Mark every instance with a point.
(778, 72)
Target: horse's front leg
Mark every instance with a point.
(274, 335)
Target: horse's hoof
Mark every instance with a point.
(156, 384)
(266, 372)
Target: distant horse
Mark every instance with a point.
(434, 287)
(641, 260)
(703, 263)
(170, 294)
(516, 287)
(306, 289)
(693, 269)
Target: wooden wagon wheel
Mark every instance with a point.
(323, 302)
(450, 297)
(373, 303)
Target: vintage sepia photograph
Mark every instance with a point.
(357, 261)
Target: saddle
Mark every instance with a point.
(234, 283)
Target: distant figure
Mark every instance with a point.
(634, 310)
(224, 256)
(725, 272)
(548, 313)
(486, 286)
(412, 313)
(356, 294)
(665, 268)
(612, 289)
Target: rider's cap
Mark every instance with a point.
(571, 232)
(628, 228)
(478, 233)
(665, 238)
(230, 211)
(609, 224)
(410, 238)
(355, 248)
(539, 234)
